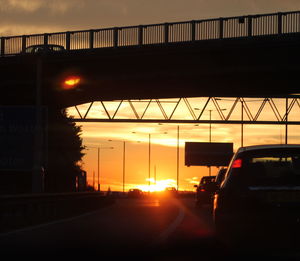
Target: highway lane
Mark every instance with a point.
(145, 229)
(130, 227)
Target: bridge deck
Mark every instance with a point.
(248, 56)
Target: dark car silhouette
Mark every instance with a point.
(135, 193)
(205, 190)
(171, 191)
(44, 48)
(258, 203)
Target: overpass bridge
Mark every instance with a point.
(245, 56)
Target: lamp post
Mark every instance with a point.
(242, 124)
(124, 151)
(149, 157)
(177, 157)
(210, 139)
(98, 162)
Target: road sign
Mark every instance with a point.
(208, 153)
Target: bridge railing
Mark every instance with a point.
(189, 31)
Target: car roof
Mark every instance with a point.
(268, 146)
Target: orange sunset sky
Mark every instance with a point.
(19, 17)
(164, 142)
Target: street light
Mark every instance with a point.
(177, 157)
(210, 130)
(124, 145)
(98, 165)
(149, 156)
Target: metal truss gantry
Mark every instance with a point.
(236, 110)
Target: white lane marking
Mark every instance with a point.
(171, 228)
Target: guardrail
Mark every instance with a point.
(190, 31)
(17, 211)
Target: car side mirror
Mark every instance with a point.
(195, 186)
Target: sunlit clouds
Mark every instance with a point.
(31, 6)
(20, 6)
(67, 15)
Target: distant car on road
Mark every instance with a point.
(44, 48)
(135, 193)
(205, 190)
(171, 191)
(259, 199)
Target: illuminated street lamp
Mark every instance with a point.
(71, 82)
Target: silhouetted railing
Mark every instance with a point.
(190, 31)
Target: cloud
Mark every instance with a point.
(32, 6)
(88, 14)
(20, 6)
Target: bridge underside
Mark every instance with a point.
(243, 67)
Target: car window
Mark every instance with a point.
(38, 49)
(206, 180)
(29, 50)
(280, 167)
(57, 48)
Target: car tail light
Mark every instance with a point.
(237, 164)
(202, 190)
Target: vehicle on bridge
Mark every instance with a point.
(258, 203)
(44, 48)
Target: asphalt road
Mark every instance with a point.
(143, 229)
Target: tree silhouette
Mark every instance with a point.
(64, 153)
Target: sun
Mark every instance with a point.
(158, 185)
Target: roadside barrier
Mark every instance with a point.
(18, 211)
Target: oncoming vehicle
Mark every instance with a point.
(44, 48)
(205, 190)
(258, 203)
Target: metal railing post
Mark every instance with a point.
(193, 31)
(249, 26)
(221, 28)
(45, 39)
(23, 43)
(91, 39)
(166, 35)
(279, 29)
(140, 35)
(116, 40)
(68, 39)
(2, 51)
